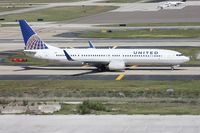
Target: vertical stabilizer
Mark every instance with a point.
(31, 39)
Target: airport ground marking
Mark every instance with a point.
(120, 76)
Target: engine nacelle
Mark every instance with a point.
(116, 65)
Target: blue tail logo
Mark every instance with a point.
(31, 39)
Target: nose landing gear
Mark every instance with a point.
(172, 68)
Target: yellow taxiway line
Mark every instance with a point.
(120, 76)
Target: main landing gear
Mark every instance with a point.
(101, 68)
(172, 68)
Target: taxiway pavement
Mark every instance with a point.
(18, 44)
(90, 73)
(187, 14)
(127, 12)
(123, 7)
(99, 124)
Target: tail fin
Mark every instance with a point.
(31, 39)
(183, 0)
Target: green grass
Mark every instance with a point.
(157, 108)
(129, 89)
(9, 25)
(139, 97)
(144, 34)
(58, 13)
(88, 107)
(38, 1)
(140, 108)
(30, 60)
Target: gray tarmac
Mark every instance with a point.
(17, 44)
(122, 7)
(108, 40)
(187, 14)
(90, 73)
(100, 77)
(99, 124)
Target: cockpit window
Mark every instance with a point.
(179, 54)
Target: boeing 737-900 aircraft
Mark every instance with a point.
(103, 59)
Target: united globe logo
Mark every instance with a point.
(34, 42)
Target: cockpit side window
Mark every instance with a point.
(179, 54)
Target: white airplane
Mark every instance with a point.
(103, 59)
(171, 4)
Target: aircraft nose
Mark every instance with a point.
(186, 58)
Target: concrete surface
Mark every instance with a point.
(40, 6)
(89, 73)
(52, 30)
(13, 110)
(99, 124)
(8, 45)
(34, 70)
(123, 7)
(127, 12)
(36, 109)
(49, 108)
(187, 14)
(84, 76)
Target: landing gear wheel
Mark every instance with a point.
(101, 68)
(172, 68)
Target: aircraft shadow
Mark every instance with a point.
(85, 73)
(156, 69)
(24, 68)
(92, 70)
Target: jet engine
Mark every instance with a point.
(116, 65)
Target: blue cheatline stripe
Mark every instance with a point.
(67, 56)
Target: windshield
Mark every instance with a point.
(179, 54)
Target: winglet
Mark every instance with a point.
(68, 56)
(91, 45)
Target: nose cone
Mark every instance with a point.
(186, 59)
